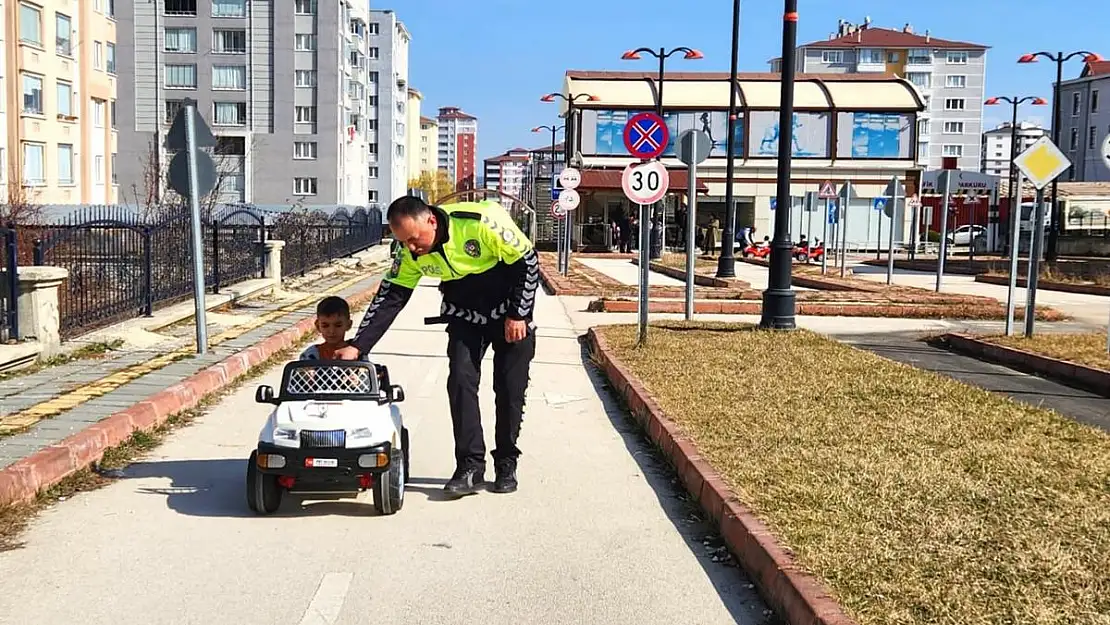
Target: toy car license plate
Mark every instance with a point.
(323, 462)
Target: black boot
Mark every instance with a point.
(505, 470)
(465, 481)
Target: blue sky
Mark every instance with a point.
(495, 58)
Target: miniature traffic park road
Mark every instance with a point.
(1088, 348)
(915, 498)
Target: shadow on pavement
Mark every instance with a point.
(216, 487)
(732, 584)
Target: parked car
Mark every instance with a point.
(963, 235)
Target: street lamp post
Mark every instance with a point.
(726, 262)
(569, 139)
(662, 54)
(558, 239)
(1059, 58)
(778, 299)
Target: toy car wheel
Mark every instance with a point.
(405, 450)
(263, 491)
(747, 254)
(389, 487)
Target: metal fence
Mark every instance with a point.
(123, 265)
(9, 294)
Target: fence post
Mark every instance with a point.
(148, 273)
(215, 256)
(37, 253)
(11, 245)
(38, 306)
(304, 248)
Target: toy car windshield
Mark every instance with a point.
(322, 379)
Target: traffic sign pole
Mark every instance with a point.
(1034, 266)
(1015, 240)
(825, 237)
(198, 241)
(645, 260)
(693, 148)
(843, 227)
(890, 244)
(944, 225)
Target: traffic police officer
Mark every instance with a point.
(489, 274)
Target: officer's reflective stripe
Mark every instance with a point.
(531, 283)
(505, 234)
(472, 316)
(375, 304)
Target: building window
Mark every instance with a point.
(953, 150)
(229, 77)
(305, 114)
(63, 34)
(832, 57)
(372, 148)
(372, 195)
(98, 112)
(32, 94)
(229, 41)
(65, 163)
(372, 76)
(955, 81)
(304, 186)
(305, 77)
(112, 108)
(922, 127)
(922, 80)
(919, 56)
(115, 177)
(173, 107)
(98, 169)
(1094, 100)
(229, 8)
(1092, 137)
(304, 150)
(892, 57)
(180, 7)
(112, 13)
(372, 28)
(306, 43)
(111, 67)
(374, 173)
(871, 55)
(1074, 142)
(953, 128)
(1075, 103)
(372, 52)
(957, 57)
(98, 55)
(65, 99)
(34, 163)
(230, 114)
(181, 76)
(304, 7)
(373, 100)
(954, 104)
(30, 24)
(182, 40)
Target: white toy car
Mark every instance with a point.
(336, 430)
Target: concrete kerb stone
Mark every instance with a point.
(23, 480)
(798, 597)
(1048, 285)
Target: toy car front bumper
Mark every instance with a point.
(333, 461)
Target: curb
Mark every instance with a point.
(699, 278)
(797, 596)
(1048, 285)
(916, 311)
(23, 480)
(1090, 379)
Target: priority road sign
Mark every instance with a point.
(1042, 163)
(646, 135)
(645, 183)
(828, 190)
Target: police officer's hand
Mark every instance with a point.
(515, 330)
(349, 352)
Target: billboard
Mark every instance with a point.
(810, 137)
(874, 135)
(608, 131)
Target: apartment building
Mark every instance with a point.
(283, 88)
(59, 140)
(389, 77)
(996, 145)
(425, 146)
(1085, 122)
(412, 135)
(949, 74)
(509, 172)
(457, 146)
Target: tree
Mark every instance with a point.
(19, 202)
(435, 184)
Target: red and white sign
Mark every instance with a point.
(645, 183)
(828, 191)
(557, 210)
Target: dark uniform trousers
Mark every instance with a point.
(466, 346)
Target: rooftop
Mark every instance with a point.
(1096, 68)
(867, 36)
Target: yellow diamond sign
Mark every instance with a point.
(1042, 162)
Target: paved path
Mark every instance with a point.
(622, 270)
(56, 401)
(595, 535)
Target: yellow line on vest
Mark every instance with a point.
(17, 421)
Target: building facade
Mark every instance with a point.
(509, 172)
(949, 74)
(59, 123)
(412, 135)
(425, 147)
(1085, 122)
(996, 146)
(283, 89)
(389, 71)
(457, 146)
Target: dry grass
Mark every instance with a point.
(917, 499)
(1088, 348)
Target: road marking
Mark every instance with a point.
(23, 419)
(327, 603)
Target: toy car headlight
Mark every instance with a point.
(285, 433)
(361, 433)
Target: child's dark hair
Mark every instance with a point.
(333, 305)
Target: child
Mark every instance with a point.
(333, 321)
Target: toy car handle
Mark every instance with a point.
(430, 321)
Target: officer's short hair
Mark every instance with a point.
(332, 306)
(406, 206)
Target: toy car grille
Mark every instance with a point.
(323, 438)
(332, 380)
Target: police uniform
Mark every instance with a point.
(489, 272)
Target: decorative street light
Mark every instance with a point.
(778, 299)
(1059, 58)
(726, 262)
(559, 240)
(570, 137)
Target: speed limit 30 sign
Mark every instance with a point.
(645, 183)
